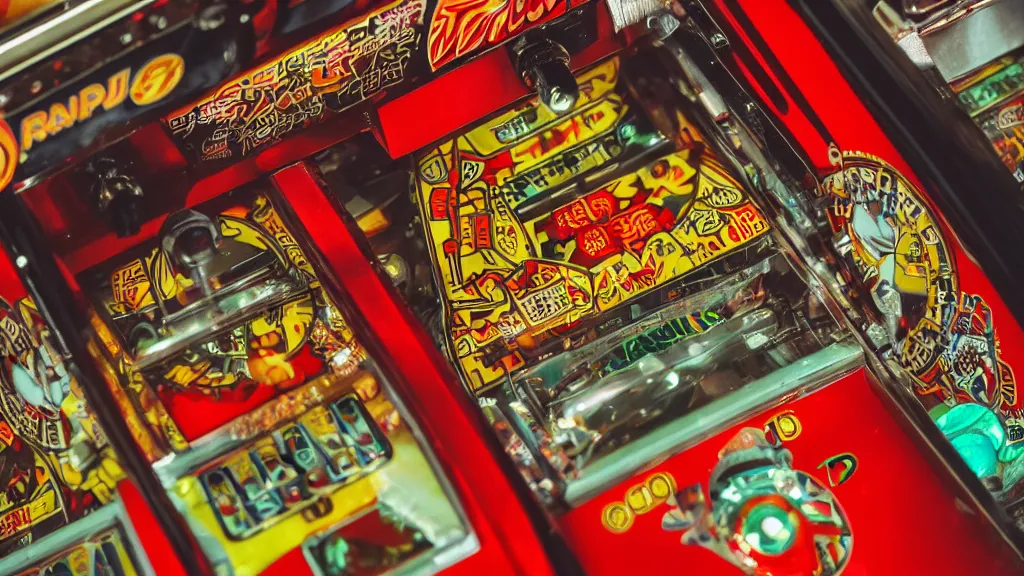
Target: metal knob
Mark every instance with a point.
(118, 197)
(544, 66)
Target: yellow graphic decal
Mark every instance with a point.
(55, 463)
(157, 78)
(945, 338)
(152, 83)
(618, 517)
(517, 267)
(783, 427)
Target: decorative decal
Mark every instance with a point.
(157, 78)
(151, 83)
(328, 74)
(55, 462)
(618, 517)
(842, 465)
(290, 471)
(763, 516)
(945, 338)
(459, 27)
(660, 338)
(782, 428)
(514, 275)
(283, 350)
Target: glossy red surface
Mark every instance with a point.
(840, 112)
(897, 506)
(449, 420)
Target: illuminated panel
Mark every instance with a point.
(520, 261)
(346, 476)
(281, 360)
(332, 72)
(460, 27)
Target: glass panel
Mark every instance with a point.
(272, 429)
(596, 276)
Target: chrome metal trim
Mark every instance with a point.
(40, 42)
(800, 377)
(970, 38)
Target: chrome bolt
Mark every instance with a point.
(159, 21)
(719, 41)
(662, 24)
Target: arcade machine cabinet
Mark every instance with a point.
(190, 334)
(663, 256)
(949, 90)
(971, 52)
(71, 500)
(700, 297)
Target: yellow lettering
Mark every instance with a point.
(617, 518)
(639, 499)
(90, 99)
(60, 119)
(117, 89)
(33, 129)
(661, 486)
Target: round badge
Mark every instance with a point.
(157, 78)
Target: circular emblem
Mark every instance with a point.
(157, 78)
(8, 154)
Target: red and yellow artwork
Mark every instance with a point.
(945, 338)
(336, 70)
(284, 351)
(522, 255)
(460, 27)
(55, 463)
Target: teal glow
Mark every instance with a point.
(769, 529)
(978, 453)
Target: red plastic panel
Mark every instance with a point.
(895, 502)
(443, 410)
